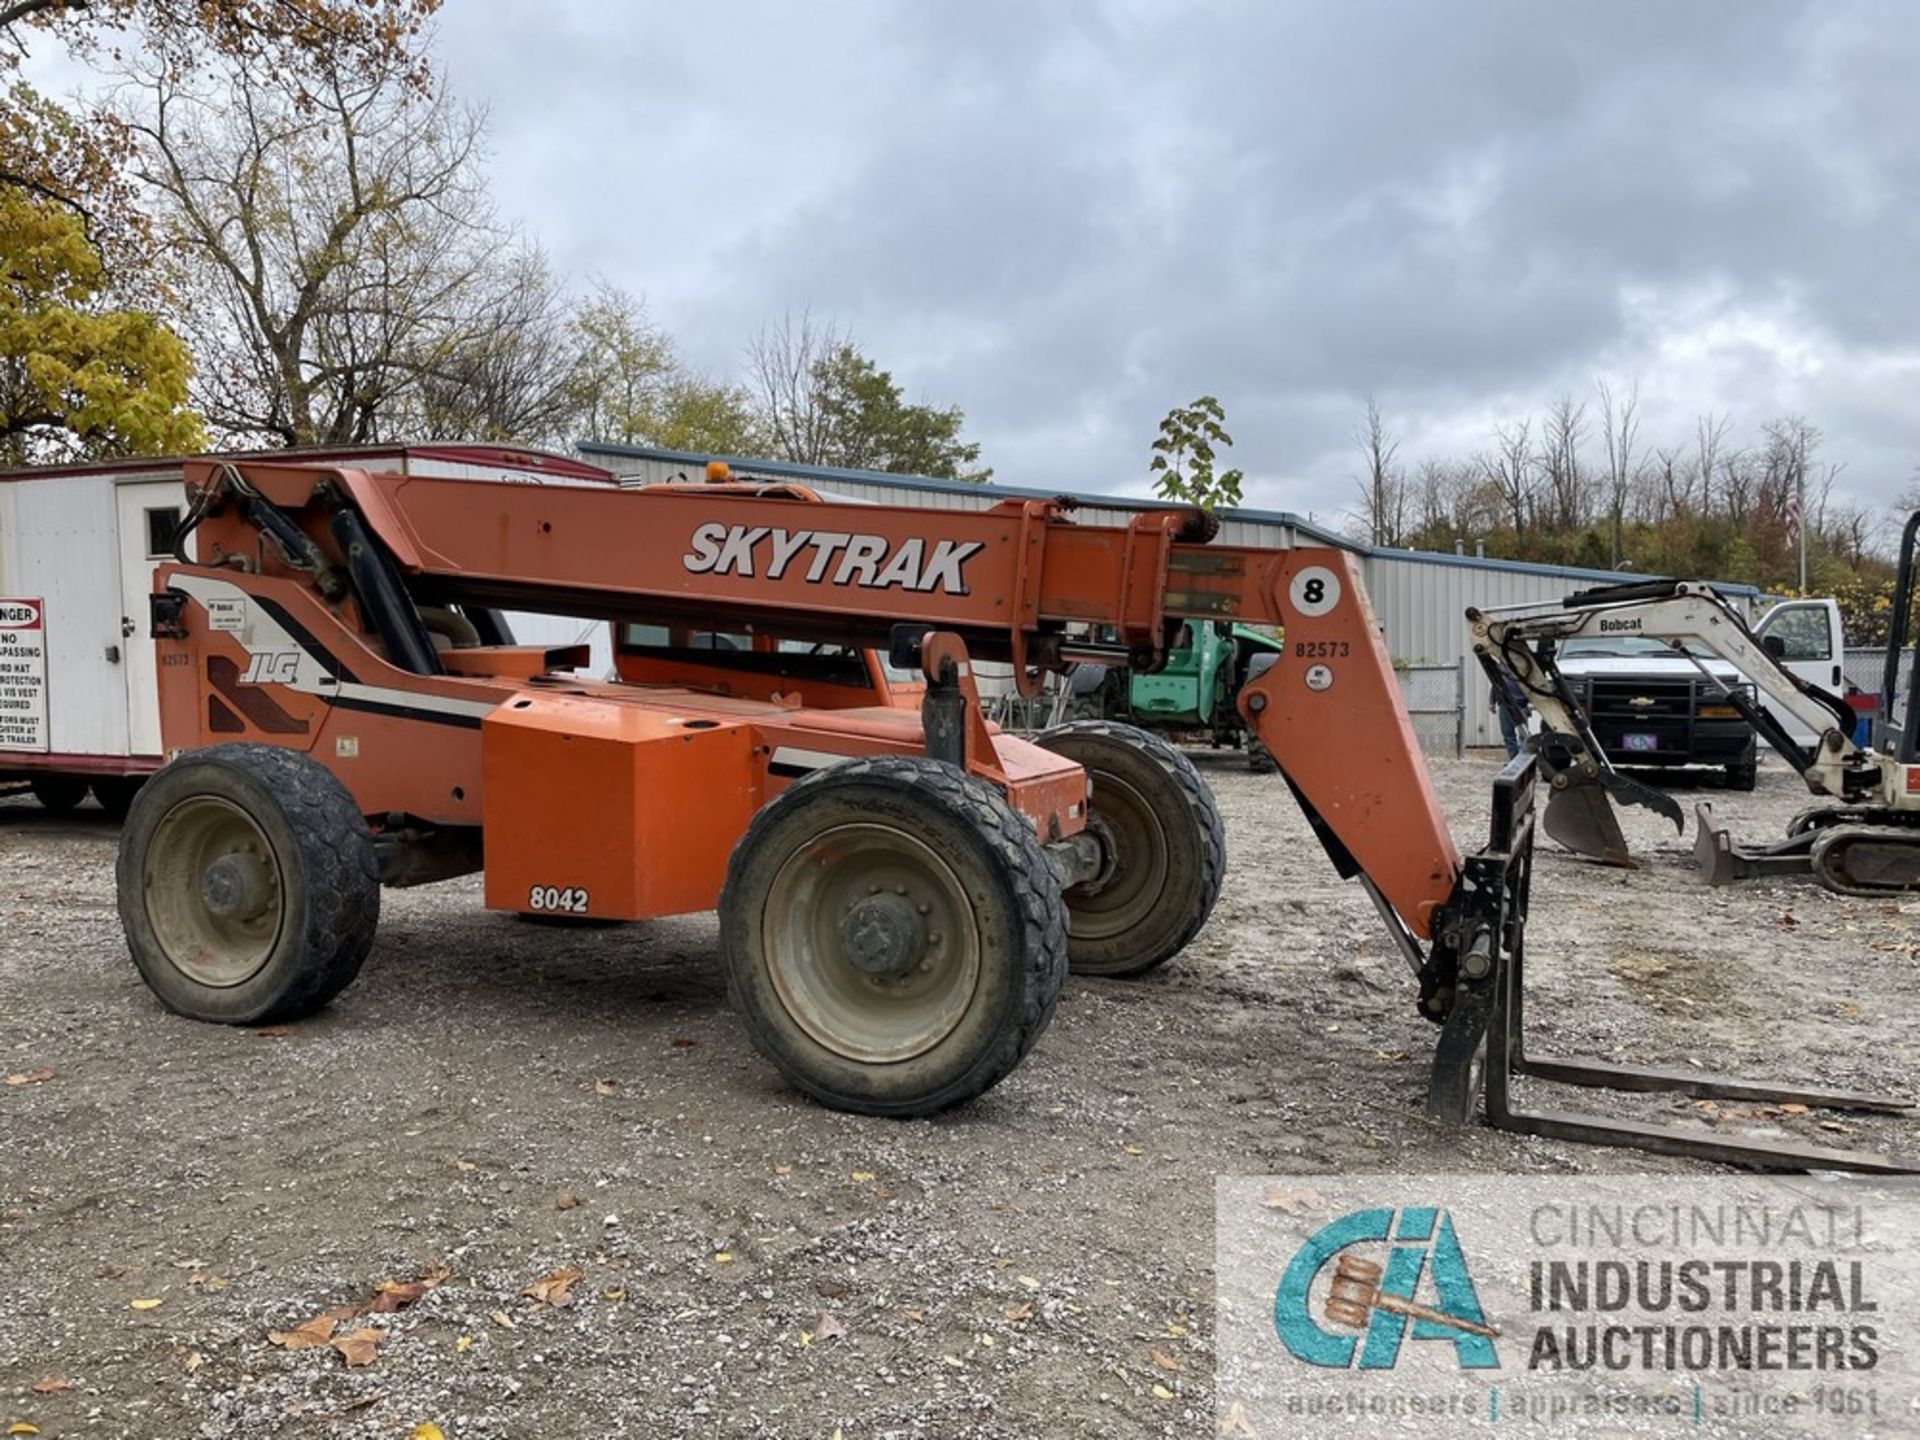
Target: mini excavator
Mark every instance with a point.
(901, 889)
(1863, 838)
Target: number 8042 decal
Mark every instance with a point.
(564, 900)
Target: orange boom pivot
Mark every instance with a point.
(895, 878)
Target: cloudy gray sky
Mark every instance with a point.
(1067, 217)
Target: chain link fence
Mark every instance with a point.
(1866, 668)
(1436, 699)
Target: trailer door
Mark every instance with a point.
(149, 512)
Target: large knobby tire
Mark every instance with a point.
(1165, 845)
(58, 794)
(893, 934)
(249, 889)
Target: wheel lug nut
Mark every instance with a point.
(925, 908)
(933, 938)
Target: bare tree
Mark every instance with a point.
(1561, 439)
(1383, 488)
(1510, 470)
(783, 361)
(1619, 416)
(332, 242)
(1709, 439)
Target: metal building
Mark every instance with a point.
(1420, 597)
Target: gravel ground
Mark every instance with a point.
(499, 1101)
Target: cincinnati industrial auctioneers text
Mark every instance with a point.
(1745, 1314)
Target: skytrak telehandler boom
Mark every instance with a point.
(895, 880)
(1865, 840)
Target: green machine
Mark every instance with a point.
(1193, 694)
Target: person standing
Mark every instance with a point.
(1508, 701)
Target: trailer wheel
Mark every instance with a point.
(893, 935)
(59, 794)
(1165, 843)
(248, 886)
(114, 793)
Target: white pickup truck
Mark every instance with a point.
(1649, 706)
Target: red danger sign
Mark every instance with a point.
(23, 675)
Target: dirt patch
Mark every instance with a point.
(506, 1101)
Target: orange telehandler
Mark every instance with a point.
(901, 889)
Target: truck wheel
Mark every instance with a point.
(1260, 759)
(248, 885)
(59, 794)
(1165, 844)
(893, 935)
(114, 793)
(1745, 775)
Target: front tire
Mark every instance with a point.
(1744, 775)
(1165, 843)
(893, 935)
(58, 794)
(248, 886)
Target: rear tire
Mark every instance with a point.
(893, 935)
(1167, 846)
(249, 889)
(58, 794)
(1745, 775)
(114, 793)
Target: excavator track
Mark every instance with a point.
(1868, 859)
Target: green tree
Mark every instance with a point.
(631, 388)
(78, 377)
(1190, 438)
(871, 426)
(822, 402)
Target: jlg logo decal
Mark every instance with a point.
(842, 559)
(272, 667)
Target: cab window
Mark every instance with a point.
(1802, 630)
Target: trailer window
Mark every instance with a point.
(162, 521)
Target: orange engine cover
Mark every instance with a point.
(598, 806)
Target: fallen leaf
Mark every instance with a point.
(827, 1327)
(1176, 1330)
(1165, 1361)
(1134, 1150)
(566, 1200)
(603, 1087)
(463, 1344)
(193, 1361)
(30, 1077)
(613, 1296)
(21, 1427)
(317, 1331)
(1294, 1202)
(1161, 1392)
(723, 1257)
(1791, 1109)
(189, 1264)
(503, 1320)
(208, 1279)
(861, 1177)
(684, 1042)
(955, 1361)
(145, 1304)
(1018, 1313)
(556, 1289)
(465, 1167)
(357, 1349)
(783, 1169)
(273, 1032)
(1028, 1281)
(1235, 1422)
(48, 1387)
(1390, 1056)
(427, 1430)
(806, 1338)
(918, 1317)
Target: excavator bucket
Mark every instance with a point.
(1580, 816)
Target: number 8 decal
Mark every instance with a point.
(1314, 591)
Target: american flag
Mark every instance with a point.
(1792, 515)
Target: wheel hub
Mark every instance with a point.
(884, 936)
(236, 887)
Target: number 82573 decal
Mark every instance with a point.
(566, 900)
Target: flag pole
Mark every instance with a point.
(1801, 507)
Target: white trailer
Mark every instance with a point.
(79, 705)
